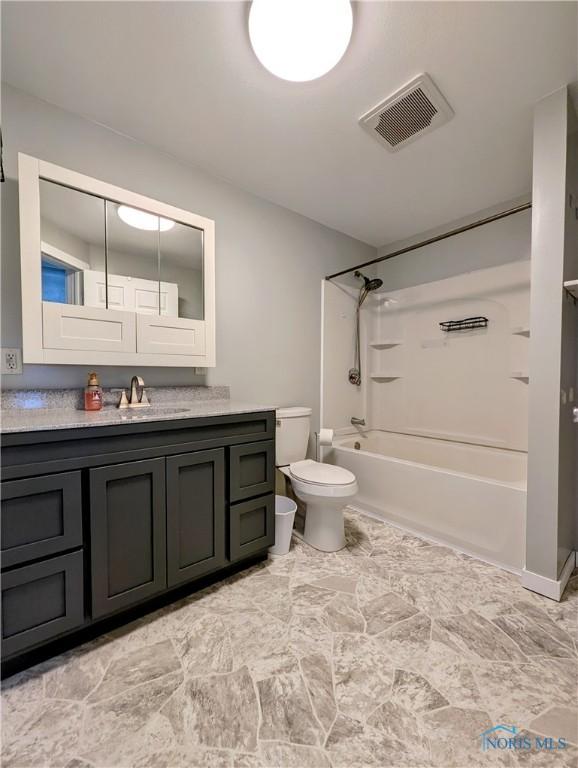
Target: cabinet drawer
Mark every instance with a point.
(251, 470)
(40, 516)
(251, 527)
(41, 601)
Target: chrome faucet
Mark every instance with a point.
(138, 396)
(357, 422)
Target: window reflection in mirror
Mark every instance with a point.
(71, 233)
(181, 270)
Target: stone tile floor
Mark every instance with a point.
(393, 652)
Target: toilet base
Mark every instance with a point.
(324, 526)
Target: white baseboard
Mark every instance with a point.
(552, 588)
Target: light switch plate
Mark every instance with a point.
(11, 361)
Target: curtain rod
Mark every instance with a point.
(436, 239)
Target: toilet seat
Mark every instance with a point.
(342, 483)
(317, 473)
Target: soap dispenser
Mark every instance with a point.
(92, 394)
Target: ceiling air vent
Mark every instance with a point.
(414, 110)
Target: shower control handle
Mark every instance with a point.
(575, 415)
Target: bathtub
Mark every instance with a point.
(469, 497)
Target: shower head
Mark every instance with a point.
(370, 285)
(373, 285)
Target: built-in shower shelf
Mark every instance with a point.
(384, 343)
(524, 375)
(572, 287)
(521, 330)
(385, 376)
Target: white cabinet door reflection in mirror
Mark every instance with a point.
(123, 276)
(125, 292)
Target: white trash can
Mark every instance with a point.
(284, 518)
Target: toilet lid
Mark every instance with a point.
(321, 474)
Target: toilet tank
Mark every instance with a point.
(292, 435)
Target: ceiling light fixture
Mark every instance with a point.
(300, 40)
(143, 220)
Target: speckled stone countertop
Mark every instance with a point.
(41, 410)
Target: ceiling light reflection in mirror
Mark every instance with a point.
(143, 220)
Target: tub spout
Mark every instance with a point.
(357, 422)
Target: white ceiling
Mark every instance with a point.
(181, 76)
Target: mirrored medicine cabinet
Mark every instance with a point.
(110, 277)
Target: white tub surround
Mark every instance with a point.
(470, 497)
(446, 412)
(467, 386)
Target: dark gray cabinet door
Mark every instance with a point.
(41, 601)
(251, 527)
(195, 514)
(41, 516)
(251, 470)
(128, 534)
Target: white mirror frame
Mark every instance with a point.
(30, 171)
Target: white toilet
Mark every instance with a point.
(324, 488)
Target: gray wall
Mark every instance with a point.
(270, 261)
(488, 246)
(568, 485)
(551, 505)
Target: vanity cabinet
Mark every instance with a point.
(100, 520)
